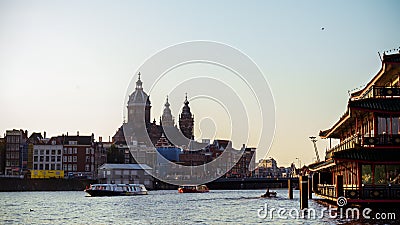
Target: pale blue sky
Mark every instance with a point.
(66, 65)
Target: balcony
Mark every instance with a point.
(357, 141)
(366, 192)
(381, 92)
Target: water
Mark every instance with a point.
(159, 207)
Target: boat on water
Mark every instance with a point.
(269, 194)
(272, 194)
(116, 190)
(193, 189)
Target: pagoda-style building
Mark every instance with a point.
(365, 166)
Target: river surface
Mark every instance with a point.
(162, 207)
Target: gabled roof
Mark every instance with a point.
(82, 140)
(388, 62)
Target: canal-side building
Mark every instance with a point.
(16, 152)
(78, 155)
(2, 155)
(365, 165)
(47, 158)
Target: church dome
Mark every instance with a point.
(139, 97)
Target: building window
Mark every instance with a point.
(75, 151)
(75, 167)
(65, 150)
(69, 158)
(65, 159)
(47, 152)
(36, 152)
(58, 167)
(35, 158)
(42, 152)
(87, 150)
(47, 158)
(73, 142)
(69, 150)
(58, 158)
(35, 166)
(87, 167)
(87, 159)
(59, 152)
(366, 174)
(65, 167)
(69, 167)
(75, 158)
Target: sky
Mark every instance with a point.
(66, 66)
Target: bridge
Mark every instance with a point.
(239, 183)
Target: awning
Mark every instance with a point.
(321, 165)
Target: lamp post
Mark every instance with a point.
(314, 140)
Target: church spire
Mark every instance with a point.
(167, 119)
(186, 120)
(139, 83)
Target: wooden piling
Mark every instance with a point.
(309, 188)
(339, 186)
(303, 182)
(290, 189)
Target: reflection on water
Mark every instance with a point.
(159, 207)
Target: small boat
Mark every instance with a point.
(269, 194)
(116, 190)
(193, 189)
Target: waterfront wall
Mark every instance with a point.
(16, 184)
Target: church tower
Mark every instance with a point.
(139, 106)
(166, 119)
(186, 121)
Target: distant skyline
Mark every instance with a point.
(66, 66)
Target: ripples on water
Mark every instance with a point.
(159, 207)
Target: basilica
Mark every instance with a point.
(138, 128)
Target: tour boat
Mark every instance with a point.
(116, 189)
(193, 189)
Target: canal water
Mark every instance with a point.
(164, 207)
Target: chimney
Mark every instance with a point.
(44, 134)
(67, 134)
(100, 139)
(77, 133)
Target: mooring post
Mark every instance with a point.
(303, 182)
(309, 187)
(339, 186)
(290, 188)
